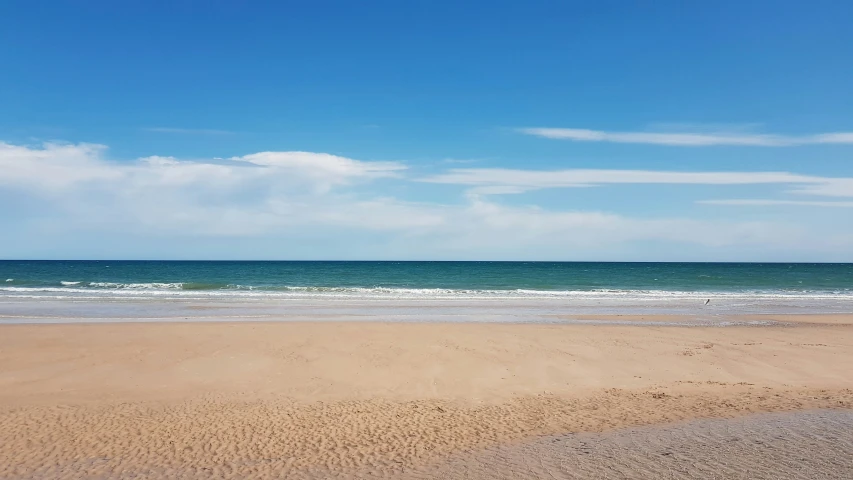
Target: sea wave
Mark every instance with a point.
(181, 290)
(136, 286)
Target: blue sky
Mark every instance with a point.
(427, 130)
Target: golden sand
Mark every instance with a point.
(275, 400)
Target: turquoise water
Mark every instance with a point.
(419, 278)
(63, 291)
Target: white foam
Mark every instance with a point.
(35, 289)
(156, 290)
(10, 279)
(120, 286)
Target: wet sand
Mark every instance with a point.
(371, 399)
(812, 445)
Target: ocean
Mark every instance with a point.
(128, 288)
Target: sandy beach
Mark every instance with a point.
(374, 399)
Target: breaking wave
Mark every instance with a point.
(136, 286)
(188, 289)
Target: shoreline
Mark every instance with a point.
(663, 320)
(436, 309)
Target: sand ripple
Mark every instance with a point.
(228, 438)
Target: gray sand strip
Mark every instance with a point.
(804, 445)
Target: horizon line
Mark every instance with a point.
(429, 261)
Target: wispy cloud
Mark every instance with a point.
(829, 187)
(496, 190)
(685, 139)
(757, 202)
(500, 181)
(189, 131)
(461, 160)
(696, 127)
(55, 168)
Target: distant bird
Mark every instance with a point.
(707, 301)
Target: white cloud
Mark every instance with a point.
(54, 166)
(841, 137)
(831, 187)
(758, 202)
(496, 190)
(499, 180)
(325, 168)
(57, 166)
(704, 127)
(238, 196)
(67, 190)
(482, 225)
(689, 139)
